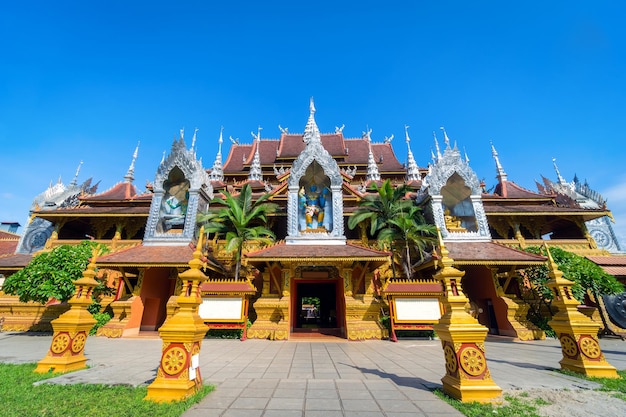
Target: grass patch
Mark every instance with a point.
(616, 387)
(519, 406)
(21, 399)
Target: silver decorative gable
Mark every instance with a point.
(315, 203)
(455, 193)
(182, 188)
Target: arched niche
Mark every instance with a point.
(315, 210)
(457, 205)
(175, 202)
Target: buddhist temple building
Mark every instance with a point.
(319, 276)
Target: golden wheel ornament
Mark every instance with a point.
(451, 362)
(590, 347)
(60, 343)
(568, 345)
(78, 344)
(473, 361)
(173, 360)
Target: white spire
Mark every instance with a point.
(256, 174)
(193, 139)
(217, 174)
(465, 152)
(499, 170)
(75, 180)
(311, 131)
(558, 174)
(446, 140)
(437, 146)
(182, 134)
(372, 168)
(163, 158)
(130, 174)
(412, 170)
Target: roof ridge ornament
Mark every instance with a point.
(217, 173)
(311, 131)
(372, 167)
(437, 146)
(193, 139)
(558, 173)
(130, 174)
(412, 170)
(499, 170)
(446, 139)
(256, 174)
(75, 180)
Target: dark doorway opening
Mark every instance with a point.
(316, 309)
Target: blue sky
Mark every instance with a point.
(87, 80)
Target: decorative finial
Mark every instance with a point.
(75, 180)
(339, 129)
(182, 134)
(499, 170)
(311, 131)
(193, 139)
(163, 158)
(437, 146)
(256, 174)
(130, 174)
(466, 157)
(235, 141)
(372, 167)
(283, 130)
(412, 171)
(217, 173)
(446, 140)
(312, 106)
(558, 174)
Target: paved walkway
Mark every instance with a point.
(283, 379)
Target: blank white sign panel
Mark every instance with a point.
(221, 308)
(409, 309)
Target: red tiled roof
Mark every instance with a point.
(7, 247)
(149, 256)
(299, 253)
(618, 271)
(520, 209)
(489, 253)
(8, 235)
(509, 189)
(608, 260)
(14, 261)
(234, 162)
(120, 191)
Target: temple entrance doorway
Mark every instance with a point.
(316, 310)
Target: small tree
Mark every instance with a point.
(52, 274)
(240, 220)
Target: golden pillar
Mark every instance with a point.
(463, 340)
(71, 329)
(576, 331)
(178, 376)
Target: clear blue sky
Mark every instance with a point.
(87, 80)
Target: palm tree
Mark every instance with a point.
(411, 230)
(240, 220)
(394, 218)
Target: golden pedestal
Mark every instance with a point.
(463, 340)
(272, 320)
(577, 333)
(178, 376)
(362, 318)
(71, 329)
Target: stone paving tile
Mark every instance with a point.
(355, 395)
(281, 413)
(289, 393)
(292, 383)
(212, 401)
(323, 413)
(322, 404)
(398, 406)
(434, 406)
(363, 413)
(321, 393)
(257, 393)
(227, 392)
(204, 412)
(243, 413)
(286, 404)
(374, 385)
(264, 383)
(359, 405)
(249, 403)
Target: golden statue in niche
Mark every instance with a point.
(453, 223)
(174, 206)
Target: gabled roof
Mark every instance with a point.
(121, 191)
(489, 253)
(149, 256)
(509, 189)
(318, 253)
(8, 243)
(613, 265)
(14, 262)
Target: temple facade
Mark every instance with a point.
(319, 276)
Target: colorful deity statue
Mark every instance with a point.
(313, 203)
